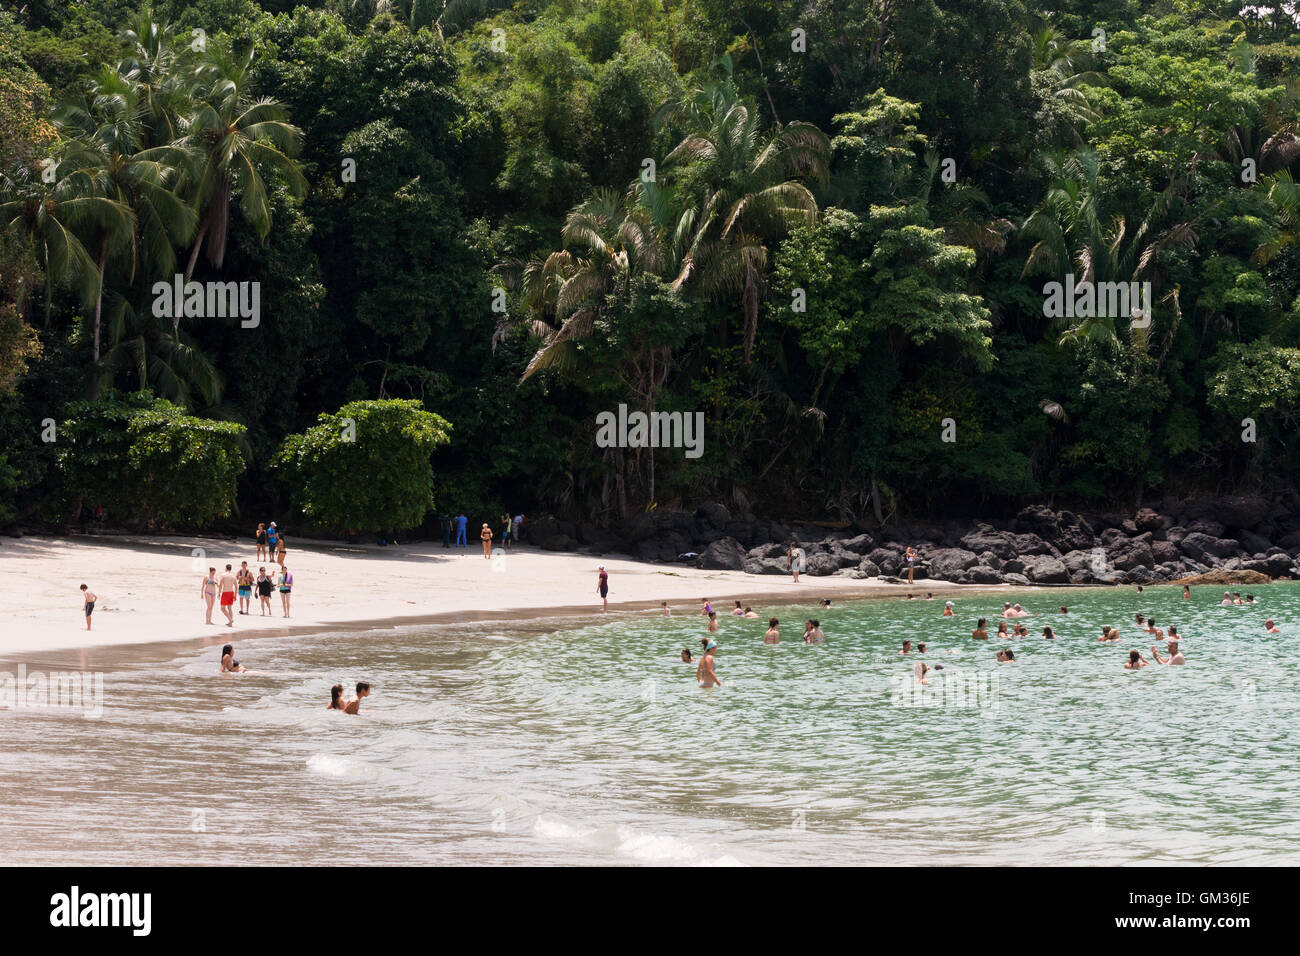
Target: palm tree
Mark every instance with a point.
(239, 142)
(1069, 231)
(744, 189)
(107, 147)
(60, 217)
(1067, 65)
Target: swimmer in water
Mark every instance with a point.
(1272, 628)
(807, 629)
(981, 632)
(1002, 631)
(1006, 610)
(1139, 620)
(1109, 635)
(705, 607)
(907, 648)
(1187, 593)
(1048, 634)
(1019, 611)
(1236, 597)
(706, 673)
(686, 656)
(773, 633)
(815, 636)
(1173, 633)
(1152, 629)
(749, 613)
(1006, 656)
(947, 609)
(920, 670)
(336, 697)
(1227, 598)
(738, 610)
(1020, 631)
(228, 663)
(664, 605)
(713, 622)
(929, 595)
(1064, 609)
(920, 648)
(1175, 655)
(354, 705)
(1250, 599)
(1135, 662)
(826, 604)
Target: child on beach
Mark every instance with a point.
(87, 603)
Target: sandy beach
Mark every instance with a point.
(148, 587)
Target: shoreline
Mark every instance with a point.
(148, 591)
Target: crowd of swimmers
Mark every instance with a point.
(1009, 628)
(351, 705)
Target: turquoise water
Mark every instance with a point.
(594, 745)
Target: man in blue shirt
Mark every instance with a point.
(461, 521)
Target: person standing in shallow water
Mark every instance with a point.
(706, 673)
(88, 604)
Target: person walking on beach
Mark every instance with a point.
(910, 556)
(227, 587)
(286, 588)
(461, 524)
(244, 582)
(706, 673)
(773, 633)
(264, 587)
(485, 536)
(602, 586)
(87, 603)
(794, 560)
(280, 552)
(261, 542)
(354, 705)
(208, 591)
(228, 663)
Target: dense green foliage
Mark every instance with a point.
(366, 467)
(143, 460)
(830, 227)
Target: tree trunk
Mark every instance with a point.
(99, 311)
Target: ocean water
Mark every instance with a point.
(514, 744)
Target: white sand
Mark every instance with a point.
(149, 587)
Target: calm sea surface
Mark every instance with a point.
(486, 744)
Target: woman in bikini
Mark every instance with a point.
(286, 588)
(208, 591)
(485, 536)
(228, 663)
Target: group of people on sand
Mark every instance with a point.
(351, 705)
(231, 586)
(512, 530)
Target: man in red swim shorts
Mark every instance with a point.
(227, 588)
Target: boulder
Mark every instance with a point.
(820, 564)
(768, 551)
(725, 554)
(1207, 548)
(985, 539)
(754, 565)
(1253, 543)
(948, 563)
(1242, 511)
(981, 574)
(866, 569)
(1045, 569)
(886, 560)
(712, 513)
(1206, 526)
(1138, 554)
(1148, 520)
